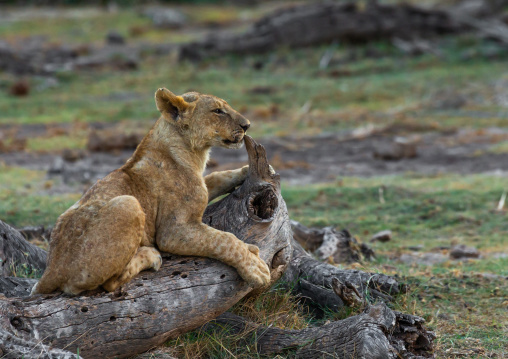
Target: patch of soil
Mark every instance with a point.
(308, 160)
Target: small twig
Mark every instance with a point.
(305, 108)
(381, 195)
(327, 57)
(500, 205)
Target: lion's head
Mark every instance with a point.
(205, 120)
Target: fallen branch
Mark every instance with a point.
(313, 280)
(377, 333)
(328, 22)
(327, 243)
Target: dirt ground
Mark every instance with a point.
(306, 160)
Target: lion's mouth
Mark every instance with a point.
(229, 142)
(234, 141)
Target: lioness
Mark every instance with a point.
(155, 202)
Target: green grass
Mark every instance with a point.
(419, 210)
(85, 25)
(56, 143)
(25, 200)
(372, 92)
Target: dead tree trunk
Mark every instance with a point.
(377, 333)
(318, 23)
(188, 291)
(314, 280)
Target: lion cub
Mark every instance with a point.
(155, 202)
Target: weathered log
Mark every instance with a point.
(317, 23)
(16, 287)
(377, 333)
(189, 291)
(18, 255)
(186, 292)
(327, 243)
(313, 280)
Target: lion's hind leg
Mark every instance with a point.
(95, 242)
(145, 258)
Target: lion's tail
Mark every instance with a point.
(44, 286)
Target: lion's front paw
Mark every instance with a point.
(244, 172)
(256, 272)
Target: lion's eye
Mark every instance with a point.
(219, 111)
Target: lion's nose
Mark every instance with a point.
(245, 127)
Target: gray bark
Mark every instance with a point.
(313, 280)
(18, 255)
(374, 334)
(327, 243)
(318, 23)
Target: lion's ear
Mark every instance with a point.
(169, 104)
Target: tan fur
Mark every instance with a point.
(155, 202)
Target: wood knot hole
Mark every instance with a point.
(16, 322)
(263, 206)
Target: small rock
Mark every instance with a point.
(57, 167)
(399, 149)
(461, 251)
(72, 155)
(114, 38)
(383, 236)
(165, 18)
